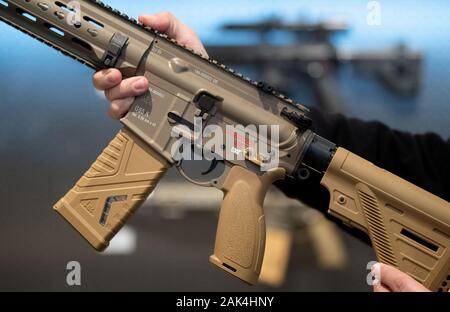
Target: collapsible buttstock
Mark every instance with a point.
(241, 232)
(112, 189)
(408, 226)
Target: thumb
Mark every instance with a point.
(398, 281)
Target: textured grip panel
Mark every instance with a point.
(241, 233)
(408, 226)
(112, 189)
(376, 226)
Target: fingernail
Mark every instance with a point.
(144, 18)
(140, 85)
(147, 16)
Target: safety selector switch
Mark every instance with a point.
(114, 50)
(206, 104)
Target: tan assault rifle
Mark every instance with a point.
(409, 227)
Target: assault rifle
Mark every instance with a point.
(409, 227)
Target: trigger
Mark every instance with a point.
(213, 166)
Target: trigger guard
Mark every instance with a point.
(179, 167)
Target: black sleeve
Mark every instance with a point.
(421, 159)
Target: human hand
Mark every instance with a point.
(394, 280)
(122, 92)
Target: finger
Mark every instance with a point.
(380, 288)
(167, 23)
(164, 22)
(127, 88)
(398, 281)
(106, 79)
(118, 108)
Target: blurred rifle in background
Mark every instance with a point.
(314, 58)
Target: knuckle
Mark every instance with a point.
(114, 111)
(126, 103)
(129, 82)
(109, 94)
(400, 285)
(131, 86)
(96, 80)
(126, 89)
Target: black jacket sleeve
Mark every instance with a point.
(421, 159)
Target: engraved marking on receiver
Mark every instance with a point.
(157, 93)
(206, 76)
(89, 205)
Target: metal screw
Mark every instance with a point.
(92, 32)
(60, 15)
(342, 200)
(43, 6)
